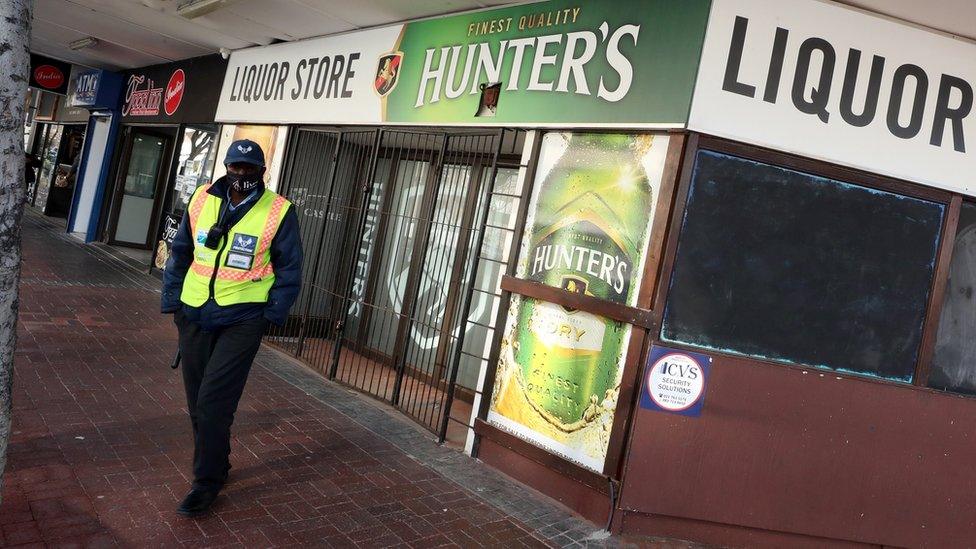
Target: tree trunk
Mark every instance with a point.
(15, 24)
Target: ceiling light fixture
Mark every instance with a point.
(196, 8)
(83, 43)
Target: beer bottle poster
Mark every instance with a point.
(587, 229)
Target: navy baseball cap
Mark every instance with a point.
(246, 151)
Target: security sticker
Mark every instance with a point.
(675, 381)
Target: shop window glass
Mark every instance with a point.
(786, 266)
(365, 255)
(49, 158)
(195, 167)
(502, 216)
(954, 363)
(402, 227)
(446, 234)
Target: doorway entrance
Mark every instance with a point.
(146, 155)
(391, 222)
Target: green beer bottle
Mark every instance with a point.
(592, 215)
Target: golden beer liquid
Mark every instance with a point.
(591, 217)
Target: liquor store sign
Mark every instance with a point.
(833, 83)
(587, 229)
(556, 62)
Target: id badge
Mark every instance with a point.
(242, 250)
(240, 261)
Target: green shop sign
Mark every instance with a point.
(626, 63)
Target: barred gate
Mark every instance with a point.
(391, 220)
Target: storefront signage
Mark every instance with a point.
(174, 92)
(48, 77)
(556, 62)
(84, 89)
(834, 83)
(168, 230)
(49, 74)
(94, 89)
(675, 381)
(587, 228)
(141, 97)
(155, 94)
(67, 110)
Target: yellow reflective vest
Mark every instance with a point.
(240, 269)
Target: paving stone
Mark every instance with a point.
(101, 448)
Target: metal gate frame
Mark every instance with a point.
(463, 265)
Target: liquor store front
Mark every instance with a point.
(744, 320)
(810, 372)
(406, 234)
(480, 221)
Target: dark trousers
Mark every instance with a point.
(215, 368)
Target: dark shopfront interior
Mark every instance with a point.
(58, 149)
(406, 234)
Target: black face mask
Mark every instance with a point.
(245, 183)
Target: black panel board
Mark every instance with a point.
(786, 266)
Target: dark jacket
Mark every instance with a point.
(286, 257)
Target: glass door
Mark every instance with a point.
(141, 172)
(194, 167)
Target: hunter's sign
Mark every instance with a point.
(550, 63)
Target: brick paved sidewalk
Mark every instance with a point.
(101, 446)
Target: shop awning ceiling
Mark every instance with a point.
(135, 33)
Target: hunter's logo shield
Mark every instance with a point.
(575, 285)
(387, 73)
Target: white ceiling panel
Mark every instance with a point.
(956, 17)
(139, 32)
(290, 20)
(135, 33)
(78, 58)
(151, 15)
(371, 13)
(257, 33)
(55, 38)
(109, 28)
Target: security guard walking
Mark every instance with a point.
(235, 266)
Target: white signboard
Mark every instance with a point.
(829, 82)
(329, 78)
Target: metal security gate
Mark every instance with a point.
(390, 221)
(327, 178)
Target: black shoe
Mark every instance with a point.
(197, 502)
